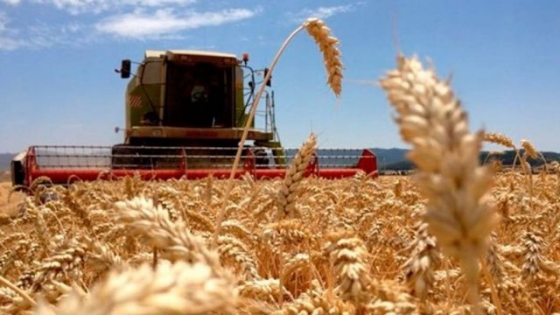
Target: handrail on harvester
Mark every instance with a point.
(99, 169)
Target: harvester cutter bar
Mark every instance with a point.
(65, 164)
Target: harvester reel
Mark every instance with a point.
(121, 157)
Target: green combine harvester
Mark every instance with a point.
(185, 111)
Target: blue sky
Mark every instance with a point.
(57, 84)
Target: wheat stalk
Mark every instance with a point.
(430, 118)
(327, 44)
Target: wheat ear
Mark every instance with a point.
(430, 118)
(331, 55)
(532, 152)
(498, 138)
(347, 256)
(176, 242)
(17, 290)
(179, 288)
(505, 141)
(294, 175)
(327, 44)
(419, 267)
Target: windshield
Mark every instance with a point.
(198, 96)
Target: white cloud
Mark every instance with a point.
(10, 43)
(8, 38)
(165, 21)
(41, 35)
(71, 34)
(322, 12)
(12, 2)
(148, 21)
(159, 3)
(98, 6)
(72, 28)
(3, 22)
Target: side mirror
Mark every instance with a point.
(125, 69)
(269, 81)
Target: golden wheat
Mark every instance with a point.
(179, 288)
(430, 117)
(331, 55)
(498, 138)
(383, 260)
(294, 175)
(529, 149)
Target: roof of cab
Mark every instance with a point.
(160, 53)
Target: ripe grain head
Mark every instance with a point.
(430, 117)
(328, 44)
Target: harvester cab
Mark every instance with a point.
(185, 89)
(185, 113)
(191, 99)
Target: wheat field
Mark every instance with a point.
(358, 247)
(455, 238)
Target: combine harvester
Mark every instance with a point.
(185, 113)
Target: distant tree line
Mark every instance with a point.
(505, 157)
